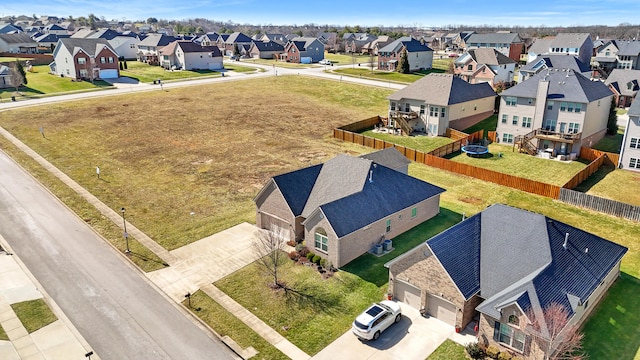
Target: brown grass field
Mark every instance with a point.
(205, 150)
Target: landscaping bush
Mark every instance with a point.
(310, 255)
(324, 262)
(303, 251)
(316, 259)
(493, 352)
(294, 256)
(475, 351)
(300, 247)
(504, 356)
(292, 243)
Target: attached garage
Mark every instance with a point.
(407, 294)
(108, 73)
(280, 225)
(441, 309)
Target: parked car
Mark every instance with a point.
(325, 62)
(376, 319)
(453, 55)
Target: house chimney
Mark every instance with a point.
(566, 240)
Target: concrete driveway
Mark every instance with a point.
(414, 337)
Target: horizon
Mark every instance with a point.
(370, 13)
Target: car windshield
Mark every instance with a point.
(360, 325)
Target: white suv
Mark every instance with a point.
(376, 319)
(325, 62)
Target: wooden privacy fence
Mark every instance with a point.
(597, 203)
(459, 143)
(362, 124)
(597, 158)
(592, 154)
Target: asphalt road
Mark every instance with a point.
(111, 304)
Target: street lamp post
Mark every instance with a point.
(126, 235)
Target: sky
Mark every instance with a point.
(366, 13)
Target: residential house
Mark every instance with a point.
(345, 206)
(438, 101)
(554, 113)
(86, 59)
(575, 44)
(265, 50)
(277, 38)
(354, 44)
(630, 150)
(330, 41)
(374, 46)
(624, 84)
(507, 266)
(150, 46)
(187, 55)
(47, 42)
(302, 49)
(391, 158)
(420, 56)
(457, 41)
(5, 77)
(540, 46)
(606, 59)
(126, 45)
(209, 39)
(507, 43)
(484, 65)
(9, 29)
(222, 38)
(233, 43)
(628, 54)
(55, 29)
(18, 43)
(547, 62)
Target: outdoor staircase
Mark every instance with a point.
(404, 125)
(525, 145)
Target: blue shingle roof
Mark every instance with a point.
(389, 192)
(461, 258)
(296, 186)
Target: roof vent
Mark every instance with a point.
(586, 250)
(566, 241)
(370, 176)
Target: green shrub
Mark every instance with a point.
(300, 247)
(475, 351)
(493, 351)
(324, 262)
(504, 356)
(310, 255)
(316, 259)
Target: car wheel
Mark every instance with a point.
(398, 317)
(376, 335)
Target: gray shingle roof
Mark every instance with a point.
(389, 157)
(511, 255)
(489, 56)
(410, 43)
(237, 37)
(268, 46)
(157, 40)
(91, 46)
(629, 48)
(443, 90)
(540, 46)
(19, 38)
(493, 38)
(634, 109)
(570, 40)
(559, 61)
(565, 85)
(625, 81)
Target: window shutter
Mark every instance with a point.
(496, 331)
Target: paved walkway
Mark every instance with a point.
(56, 341)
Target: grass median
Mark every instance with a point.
(34, 314)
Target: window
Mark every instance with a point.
(321, 240)
(393, 106)
(102, 60)
(84, 73)
(634, 143)
(570, 107)
(514, 121)
(433, 111)
(133, 46)
(433, 129)
(82, 61)
(549, 124)
(550, 105)
(513, 319)
(526, 122)
(563, 106)
(414, 212)
(470, 67)
(507, 138)
(574, 128)
(529, 101)
(422, 108)
(511, 100)
(407, 108)
(578, 107)
(504, 118)
(634, 163)
(388, 225)
(510, 337)
(110, 59)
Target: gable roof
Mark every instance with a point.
(629, 48)
(302, 42)
(389, 157)
(625, 81)
(489, 56)
(90, 46)
(191, 47)
(549, 273)
(494, 38)
(411, 44)
(4, 70)
(268, 46)
(17, 38)
(49, 38)
(570, 40)
(557, 61)
(564, 85)
(634, 109)
(157, 40)
(237, 37)
(107, 34)
(443, 89)
(351, 192)
(541, 46)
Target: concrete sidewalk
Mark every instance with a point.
(58, 340)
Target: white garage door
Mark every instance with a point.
(109, 74)
(441, 309)
(407, 294)
(282, 227)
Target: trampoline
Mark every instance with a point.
(475, 150)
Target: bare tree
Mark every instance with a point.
(17, 75)
(556, 337)
(270, 249)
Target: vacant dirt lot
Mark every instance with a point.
(187, 163)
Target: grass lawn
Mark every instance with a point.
(606, 183)
(449, 350)
(621, 111)
(422, 143)
(522, 165)
(442, 64)
(612, 330)
(345, 59)
(226, 324)
(488, 124)
(148, 73)
(611, 143)
(317, 314)
(3, 334)
(40, 82)
(394, 76)
(9, 59)
(272, 62)
(34, 314)
(205, 157)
